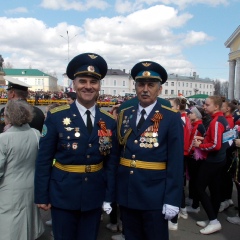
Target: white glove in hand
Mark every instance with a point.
(107, 207)
(170, 211)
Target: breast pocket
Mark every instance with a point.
(68, 142)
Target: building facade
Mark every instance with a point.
(38, 80)
(118, 82)
(233, 43)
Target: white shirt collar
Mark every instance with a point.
(148, 109)
(82, 110)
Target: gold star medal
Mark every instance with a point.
(66, 121)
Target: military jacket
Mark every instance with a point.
(66, 140)
(145, 189)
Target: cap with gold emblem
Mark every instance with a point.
(149, 71)
(87, 64)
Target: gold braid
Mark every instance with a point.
(122, 140)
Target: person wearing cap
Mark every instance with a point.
(81, 139)
(18, 90)
(149, 177)
(71, 97)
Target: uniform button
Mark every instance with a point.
(135, 141)
(88, 156)
(90, 145)
(68, 137)
(86, 179)
(131, 172)
(133, 156)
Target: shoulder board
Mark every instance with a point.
(107, 113)
(60, 108)
(168, 108)
(126, 108)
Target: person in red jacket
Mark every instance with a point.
(179, 104)
(194, 161)
(210, 171)
(227, 183)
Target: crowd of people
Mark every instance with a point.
(89, 161)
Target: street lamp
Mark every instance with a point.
(68, 40)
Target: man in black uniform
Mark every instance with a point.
(19, 90)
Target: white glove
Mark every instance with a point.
(170, 211)
(107, 207)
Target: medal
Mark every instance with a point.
(69, 129)
(66, 121)
(156, 144)
(77, 133)
(154, 134)
(74, 146)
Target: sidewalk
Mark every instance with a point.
(187, 229)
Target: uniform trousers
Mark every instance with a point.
(75, 224)
(144, 224)
(209, 175)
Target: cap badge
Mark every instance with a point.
(146, 74)
(146, 64)
(92, 56)
(91, 69)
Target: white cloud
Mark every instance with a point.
(195, 38)
(74, 5)
(16, 10)
(143, 35)
(126, 6)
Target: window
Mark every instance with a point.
(178, 91)
(102, 92)
(124, 83)
(186, 84)
(182, 92)
(210, 87)
(114, 83)
(179, 84)
(183, 84)
(195, 85)
(114, 92)
(190, 93)
(190, 84)
(102, 82)
(186, 93)
(166, 83)
(172, 91)
(172, 83)
(166, 91)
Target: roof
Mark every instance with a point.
(190, 79)
(232, 37)
(24, 72)
(116, 72)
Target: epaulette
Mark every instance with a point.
(124, 109)
(60, 108)
(168, 108)
(107, 113)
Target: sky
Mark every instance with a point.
(184, 36)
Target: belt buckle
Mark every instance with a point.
(133, 163)
(88, 168)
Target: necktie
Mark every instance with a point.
(142, 119)
(89, 121)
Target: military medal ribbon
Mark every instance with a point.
(156, 119)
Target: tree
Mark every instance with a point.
(224, 89)
(217, 87)
(7, 65)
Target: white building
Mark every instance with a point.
(117, 82)
(38, 80)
